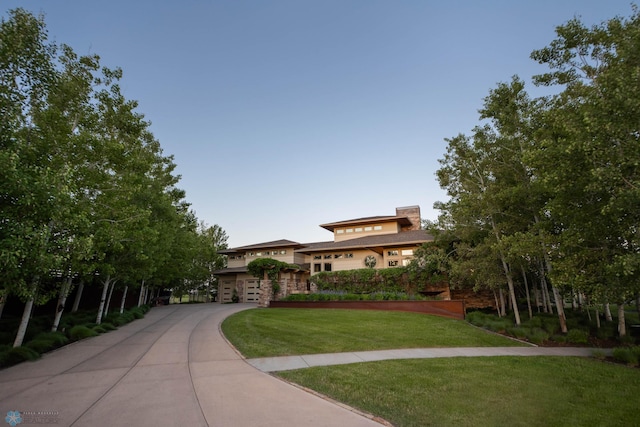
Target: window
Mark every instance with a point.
(283, 252)
(317, 257)
(337, 256)
(406, 261)
(340, 231)
(327, 266)
(406, 252)
(327, 257)
(260, 253)
(393, 263)
(392, 253)
(377, 227)
(368, 228)
(349, 230)
(317, 268)
(348, 255)
(252, 254)
(274, 252)
(358, 229)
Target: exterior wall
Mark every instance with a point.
(276, 253)
(397, 257)
(341, 260)
(235, 261)
(342, 233)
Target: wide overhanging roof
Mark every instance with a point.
(402, 220)
(375, 243)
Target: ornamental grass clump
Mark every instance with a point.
(627, 355)
(79, 332)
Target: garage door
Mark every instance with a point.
(226, 290)
(252, 291)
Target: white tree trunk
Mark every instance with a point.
(103, 298)
(62, 300)
(141, 296)
(607, 313)
(622, 326)
(503, 308)
(526, 287)
(106, 308)
(598, 318)
(22, 329)
(76, 301)
(124, 297)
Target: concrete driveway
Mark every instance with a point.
(172, 368)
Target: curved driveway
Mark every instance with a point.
(172, 368)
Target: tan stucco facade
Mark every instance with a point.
(373, 242)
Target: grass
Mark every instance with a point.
(514, 391)
(290, 331)
(483, 391)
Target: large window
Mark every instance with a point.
(327, 266)
(317, 268)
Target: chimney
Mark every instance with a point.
(413, 213)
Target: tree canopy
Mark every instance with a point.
(548, 188)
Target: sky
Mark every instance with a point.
(283, 115)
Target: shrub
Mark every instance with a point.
(108, 326)
(538, 336)
(559, 338)
(99, 329)
(57, 338)
(518, 332)
(16, 355)
(39, 346)
(79, 332)
(137, 313)
(577, 336)
(625, 355)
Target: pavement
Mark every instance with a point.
(174, 367)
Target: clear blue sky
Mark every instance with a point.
(286, 114)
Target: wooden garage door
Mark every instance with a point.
(226, 290)
(251, 291)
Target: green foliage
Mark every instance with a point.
(401, 280)
(79, 332)
(343, 296)
(577, 336)
(627, 355)
(17, 355)
(272, 268)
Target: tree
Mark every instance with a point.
(588, 156)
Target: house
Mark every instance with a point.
(374, 242)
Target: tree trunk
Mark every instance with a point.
(495, 295)
(103, 298)
(503, 308)
(22, 329)
(124, 297)
(507, 273)
(607, 313)
(622, 326)
(141, 296)
(560, 309)
(3, 298)
(76, 301)
(598, 318)
(106, 308)
(62, 300)
(526, 287)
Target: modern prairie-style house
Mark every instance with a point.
(374, 242)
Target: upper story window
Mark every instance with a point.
(349, 230)
(393, 263)
(348, 255)
(358, 229)
(377, 227)
(392, 253)
(337, 256)
(317, 257)
(327, 257)
(283, 252)
(340, 231)
(406, 252)
(368, 228)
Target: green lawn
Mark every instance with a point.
(491, 391)
(290, 331)
(483, 391)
